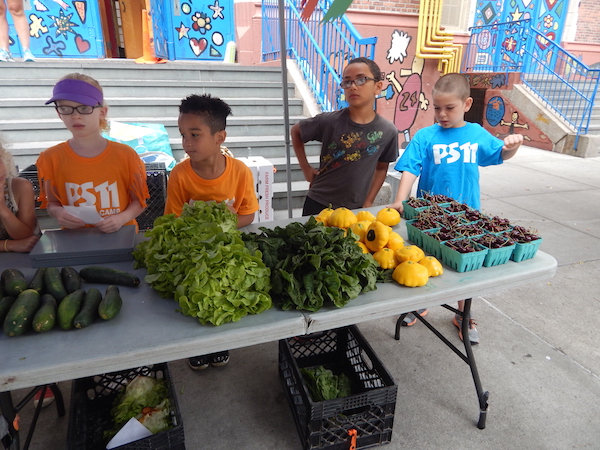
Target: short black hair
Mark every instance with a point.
(213, 110)
(373, 67)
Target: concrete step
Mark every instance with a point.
(124, 69)
(54, 130)
(125, 106)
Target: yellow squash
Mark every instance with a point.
(363, 247)
(434, 267)
(410, 253)
(377, 236)
(395, 241)
(360, 229)
(389, 216)
(323, 216)
(341, 218)
(365, 215)
(411, 274)
(386, 258)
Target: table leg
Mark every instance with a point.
(467, 357)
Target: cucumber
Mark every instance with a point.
(111, 304)
(71, 279)
(14, 282)
(54, 284)
(45, 317)
(69, 307)
(106, 275)
(89, 309)
(5, 303)
(19, 317)
(37, 282)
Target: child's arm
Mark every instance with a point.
(512, 142)
(21, 225)
(406, 183)
(114, 222)
(378, 179)
(244, 220)
(308, 170)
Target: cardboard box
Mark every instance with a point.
(263, 173)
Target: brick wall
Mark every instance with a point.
(587, 22)
(391, 6)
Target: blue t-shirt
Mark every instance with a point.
(448, 159)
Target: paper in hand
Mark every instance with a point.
(88, 214)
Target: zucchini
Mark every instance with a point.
(106, 275)
(54, 284)
(69, 307)
(111, 304)
(71, 279)
(5, 303)
(45, 317)
(89, 309)
(19, 317)
(14, 282)
(37, 282)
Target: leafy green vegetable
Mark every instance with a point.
(323, 384)
(200, 260)
(142, 392)
(312, 264)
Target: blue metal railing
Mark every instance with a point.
(563, 82)
(321, 50)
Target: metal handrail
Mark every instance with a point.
(321, 50)
(557, 77)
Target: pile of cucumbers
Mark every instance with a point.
(55, 297)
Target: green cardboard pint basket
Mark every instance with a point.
(463, 262)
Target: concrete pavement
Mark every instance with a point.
(539, 355)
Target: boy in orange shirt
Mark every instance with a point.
(209, 175)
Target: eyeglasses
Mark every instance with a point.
(65, 110)
(347, 84)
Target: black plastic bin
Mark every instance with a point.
(326, 424)
(92, 399)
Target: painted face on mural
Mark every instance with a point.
(450, 109)
(364, 95)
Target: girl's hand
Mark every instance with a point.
(66, 220)
(110, 224)
(22, 245)
(398, 206)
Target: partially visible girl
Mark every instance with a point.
(18, 225)
(89, 170)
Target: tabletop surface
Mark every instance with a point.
(149, 330)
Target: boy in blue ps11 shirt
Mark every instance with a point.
(447, 155)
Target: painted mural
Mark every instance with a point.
(405, 86)
(501, 117)
(62, 29)
(192, 29)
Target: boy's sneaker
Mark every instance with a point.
(198, 362)
(411, 319)
(5, 56)
(219, 359)
(473, 334)
(48, 397)
(28, 56)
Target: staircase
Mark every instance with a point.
(151, 94)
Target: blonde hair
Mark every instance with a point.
(7, 158)
(453, 83)
(104, 126)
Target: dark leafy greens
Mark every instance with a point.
(323, 384)
(312, 264)
(200, 260)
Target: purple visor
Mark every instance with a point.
(76, 91)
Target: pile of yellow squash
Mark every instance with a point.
(375, 235)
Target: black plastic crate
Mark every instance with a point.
(92, 399)
(156, 178)
(370, 408)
